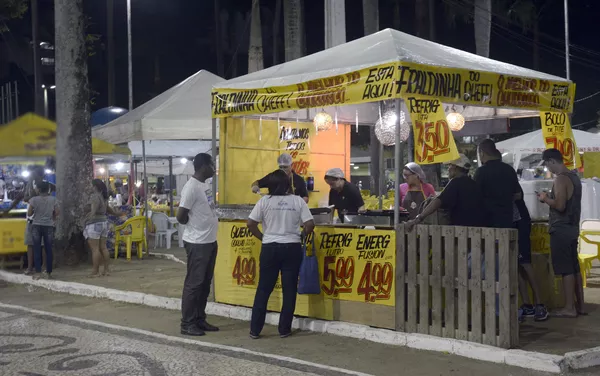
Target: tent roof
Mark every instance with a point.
(533, 142)
(182, 112)
(32, 136)
(383, 47)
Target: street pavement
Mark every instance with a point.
(45, 333)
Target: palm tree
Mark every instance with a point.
(482, 21)
(74, 137)
(255, 49)
(528, 14)
(294, 29)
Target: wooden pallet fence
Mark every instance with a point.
(458, 282)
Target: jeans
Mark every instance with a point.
(275, 257)
(39, 233)
(201, 259)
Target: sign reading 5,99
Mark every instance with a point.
(356, 265)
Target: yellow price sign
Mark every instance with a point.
(434, 142)
(557, 133)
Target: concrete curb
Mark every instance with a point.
(584, 358)
(523, 359)
(168, 256)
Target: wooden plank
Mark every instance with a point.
(463, 286)
(411, 283)
(400, 306)
(424, 279)
(489, 286)
(436, 280)
(476, 306)
(514, 288)
(450, 282)
(504, 287)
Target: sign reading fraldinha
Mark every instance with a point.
(400, 80)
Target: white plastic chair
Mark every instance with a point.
(161, 224)
(589, 246)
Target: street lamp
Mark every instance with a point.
(46, 88)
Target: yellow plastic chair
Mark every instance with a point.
(589, 246)
(137, 234)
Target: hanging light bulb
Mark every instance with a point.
(456, 121)
(385, 128)
(323, 121)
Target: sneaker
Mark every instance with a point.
(207, 327)
(192, 331)
(28, 272)
(285, 335)
(528, 310)
(254, 336)
(541, 313)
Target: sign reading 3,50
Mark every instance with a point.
(432, 139)
(244, 271)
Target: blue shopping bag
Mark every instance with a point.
(308, 280)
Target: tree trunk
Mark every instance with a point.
(371, 25)
(431, 9)
(294, 37)
(421, 8)
(219, 47)
(483, 26)
(276, 29)
(110, 41)
(74, 138)
(255, 49)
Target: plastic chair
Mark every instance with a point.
(136, 226)
(589, 246)
(163, 230)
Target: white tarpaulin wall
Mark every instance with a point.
(181, 113)
(383, 47)
(533, 143)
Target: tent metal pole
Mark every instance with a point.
(397, 166)
(171, 186)
(214, 156)
(145, 182)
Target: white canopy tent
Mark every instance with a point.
(181, 113)
(170, 148)
(519, 147)
(383, 47)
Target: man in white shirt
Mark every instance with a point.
(197, 212)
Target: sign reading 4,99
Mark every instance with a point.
(434, 142)
(357, 265)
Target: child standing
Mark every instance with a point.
(44, 211)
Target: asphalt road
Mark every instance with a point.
(45, 333)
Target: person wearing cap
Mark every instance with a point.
(498, 186)
(415, 191)
(344, 196)
(298, 184)
(460, 197)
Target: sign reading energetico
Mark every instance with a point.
(400, 80)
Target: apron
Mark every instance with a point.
(412, 201)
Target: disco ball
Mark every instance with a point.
(456, 121)
(323, 121)
(385, 128)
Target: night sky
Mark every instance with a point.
(174, 39)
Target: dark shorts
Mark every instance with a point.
(563, 248)
(524, 240)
